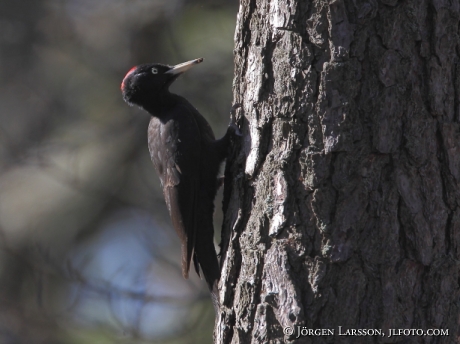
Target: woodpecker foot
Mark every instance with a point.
(234, 130)
(235, 107)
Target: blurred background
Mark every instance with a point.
(87, 252)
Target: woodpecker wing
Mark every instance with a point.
(175, 149)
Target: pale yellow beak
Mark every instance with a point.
(182, 67)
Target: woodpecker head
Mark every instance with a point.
(145, 82)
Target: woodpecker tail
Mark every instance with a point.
(205, 257)
(215, 297)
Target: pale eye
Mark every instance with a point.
(154, 70)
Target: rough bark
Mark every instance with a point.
(342, 198)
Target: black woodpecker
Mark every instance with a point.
(187, 158)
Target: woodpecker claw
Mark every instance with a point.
(234, 129)
(235, 107)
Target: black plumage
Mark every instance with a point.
(187, 158)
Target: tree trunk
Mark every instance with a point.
(342, 197)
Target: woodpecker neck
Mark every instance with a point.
(160, 105)
(157, 103)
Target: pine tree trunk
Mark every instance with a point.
(342, 197)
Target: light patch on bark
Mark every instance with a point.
(279, 219)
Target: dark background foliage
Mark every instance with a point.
(87, 252)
